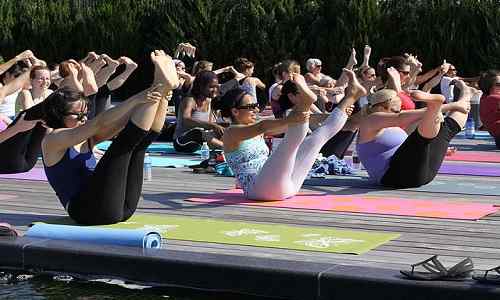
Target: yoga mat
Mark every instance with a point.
(37, 174)
(259, 234)
(470, 169)
(363, 204)
(143, 238)
(173, 162)
(438, 185)
(475, 156)
(167, 148)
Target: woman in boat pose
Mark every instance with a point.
(280, 175)
(394, 159)
(106, 192)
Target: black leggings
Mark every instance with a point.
(418, 159)
(20, 152)
(113, 191)
(338, 144)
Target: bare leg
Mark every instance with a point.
(165, 75)
(431, 121)
(460, 113)
(312, 144)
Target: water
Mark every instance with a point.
(62, 287)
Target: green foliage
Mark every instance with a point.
(465, 32)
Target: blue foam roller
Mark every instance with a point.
(122, 237)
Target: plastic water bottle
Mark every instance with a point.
(205, 151)
(470, 129)
(148, 164)
(356, 163)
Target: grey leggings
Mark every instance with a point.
(286, 169)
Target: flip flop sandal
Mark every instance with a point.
(437, 271)
(488, 276)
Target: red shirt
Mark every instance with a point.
(406, 102)
(489, 111)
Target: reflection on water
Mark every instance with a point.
(62, 287)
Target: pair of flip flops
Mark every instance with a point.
(435, 270)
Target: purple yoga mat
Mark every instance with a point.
(37, 174)
(470, 169)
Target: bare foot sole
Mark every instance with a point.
(165, 72)
(355, 89)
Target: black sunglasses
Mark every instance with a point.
(248, 106)
(79, 115)
(404, 72)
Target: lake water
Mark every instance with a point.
(21, 287)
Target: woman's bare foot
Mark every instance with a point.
(354, 89)
(307, 97)
(352, 60)
(463, 103)
(109, 61)
(367, 51)
(128, 62)
(427, 97)
(165, 72)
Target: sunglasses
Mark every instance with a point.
(248, 106)
(79, 116)
(453, 70)
(404, 72)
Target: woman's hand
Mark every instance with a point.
(25, 125)
(27, 54)
(219, 130)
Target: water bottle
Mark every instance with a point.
(205, 152)
(356, 163)
(470, 129)
(148, 164)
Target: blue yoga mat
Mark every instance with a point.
(167, 148)
(173, 162)
(122, 237)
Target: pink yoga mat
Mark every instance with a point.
(475, 156)
(363, 204)
(37, 174)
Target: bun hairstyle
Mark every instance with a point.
(487, 80)
(57, 105)
(397, 62)
(230, 100)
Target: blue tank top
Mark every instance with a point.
(376, 155)
(247, 160)
(70, 174)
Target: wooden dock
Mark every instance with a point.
(420, 237)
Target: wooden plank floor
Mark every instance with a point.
(420, 237)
